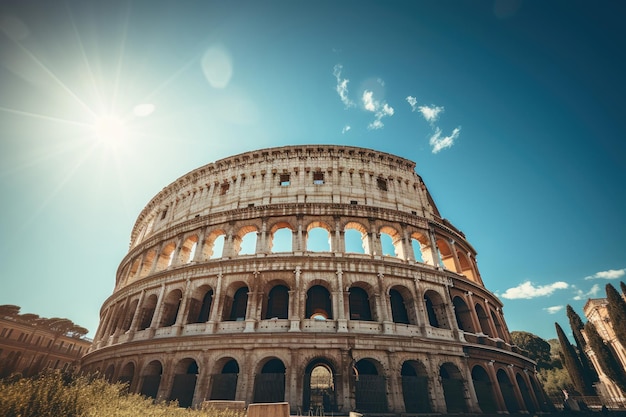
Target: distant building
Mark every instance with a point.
(28, 349)
(323, 276)
(597, 313)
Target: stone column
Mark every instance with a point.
(455, 257)
(339, 308)
(197, 256)
(155, 262)
(294, 303)
(516, 389)
(252, 311)
(472, 308)
(407, 246)
(183, 310)
(433, 249)
(179, 246)
(138, 311)
(496, 387)
(158, 310)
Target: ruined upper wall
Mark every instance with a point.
(292, 174)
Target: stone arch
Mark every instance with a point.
(422, 249)
(236, 303)
(360, 304)
(224, 383)
(166, 256)
(399, 299)
(396, 241)
(244, 241)
(108, 373)
(147, 312)
(356, 238)
(214, 245)
(466, 266)
(127, 374)
(200, 304)
(171, 305)
(370, 386)
(277, 305)
(130, 313)
(445, 253)
(281, 237)
(184, 385)
(498, 325)
(436, 309)
(269, 383)
(453, 388)
(151, 379)
(415, 389)
(319, 386)
(463, 315)
(318, 235)
(188, 250)
(318, 303)
(508, 391)
(148, 261)
(484, 390)
(523, 387)
(133, 273)
(483, 319)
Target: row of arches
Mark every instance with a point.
(320, 384)
(402, 242)
(277, 299)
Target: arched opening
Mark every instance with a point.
(370, 387)
(278, 303)
(436, 310)
(239, 305)
(445, 252)
(282, 238)
(126, 374)
(399, 311)
(130, 313)
(108, 373)
(528, 401)
(245, 243)
(269, 385)
(359, 305)
(318, 303)
(318, 239)
(356, 238)
(508, 391)
(483, 319)
(171, 304)
(415, 390)
(200, 308)
(422, 249)
(391, 242)
(147, 312)
(134, 270)
(224, 384)
(151, 379)
(148, 261)
(484, 390)
(187, 250)
(319, 394)
(453, 388)
(184, 386)
(463, 315)
(386, 243)
(166, 256)
(466, 266)
(498, 325)
(214, 245)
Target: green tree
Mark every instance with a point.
(575, 322)
(537, 348)
(611, 367)
(572, 363)
(617, 312)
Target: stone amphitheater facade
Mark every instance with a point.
(228, 292)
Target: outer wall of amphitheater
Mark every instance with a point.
(323, 276)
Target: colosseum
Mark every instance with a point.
(322, 276)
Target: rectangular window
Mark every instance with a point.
(284, 180)
(354, 202)
(318, 178)
(224, 188)
(20, 337)
(164, 214)
(3, 332)
(382, 184)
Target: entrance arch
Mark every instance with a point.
(528, 402)
(370, 388)
(415, 390)
(484, 390)
(319, 387)
(224, 384)
(508, 392)
(453, 388)
(184, 386)
(269, 385)
(151, 379)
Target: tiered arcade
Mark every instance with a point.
(319, 275)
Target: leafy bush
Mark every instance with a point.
(56, 394)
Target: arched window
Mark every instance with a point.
(247, 245)
(130, 313)
(127, 373)
(498, 325)
(436, 310)
(214, 245)
(453, 388)
(370, 388)
(463, 315)
(151, 379)
(184, 385)
(318, 238)
(224, 384)
(318, 303)
(359, 305)
(508, 391)
(171, 304)
(282, 239)
(199, 309)
(147, 312)
(278, 303)
(483, 319)
(415, 387)
(165, 257)
(484, 390)
(269, 385)
(356, 238)
(391, 242)
(188, 250)
(398, 308)
(239, 305)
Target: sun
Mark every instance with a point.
(110, 129)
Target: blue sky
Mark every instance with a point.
(512, 110)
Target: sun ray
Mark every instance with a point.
(44, 117)
(55, 78)
(169, 80)
(120, 60)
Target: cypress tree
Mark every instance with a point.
(611, 367)
(617, 312)
(589, 374)
(572, 363)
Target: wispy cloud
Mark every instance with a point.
(553, 309)
(380, 109)
(430, 113)
(345, 129)
(581, 295)
(527, 290)
(342, 86)
(439, 142)
(412, 102)
(610, 274)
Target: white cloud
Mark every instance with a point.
(553, 309)
(610, 274)
(345, 129)
(430, 113)
(342, 86)
(439, 143)
(581, 295)
(527, 290)
(379, 109)
(412, 102)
